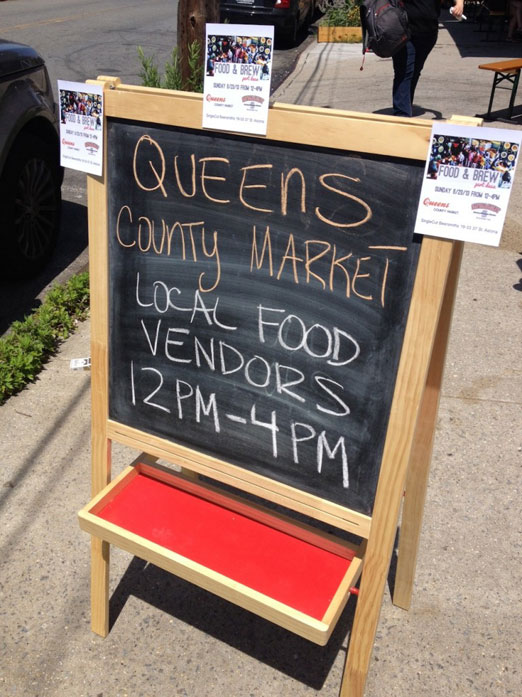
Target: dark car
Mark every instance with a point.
(287, 16)
(30, 172)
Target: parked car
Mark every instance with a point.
(30, 172)
(287, 16)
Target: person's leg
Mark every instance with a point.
(403, 69)
(423, 44)
(515, 22)
(518, 15)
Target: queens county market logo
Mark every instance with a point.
(253, 102)
(91, 147)
(485, 210)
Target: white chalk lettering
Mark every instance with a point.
(172, 342)
(321, 380)
(211, 406)
(148, 398)
(322, 446)
(338, 346)
(271, 426)
(295, 439)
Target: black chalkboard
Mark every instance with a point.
(258, 297)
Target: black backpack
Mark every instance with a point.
(385, 26)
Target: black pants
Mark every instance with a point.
(407, 67)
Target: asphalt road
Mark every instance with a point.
(81, 41)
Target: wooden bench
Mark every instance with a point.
(504, 70)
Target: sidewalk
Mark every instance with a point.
(329, 75)
(461, 637)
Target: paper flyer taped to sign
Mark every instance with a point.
(467, 183)
(238, 73)
(81, 126)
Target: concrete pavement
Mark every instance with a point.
(461, 637)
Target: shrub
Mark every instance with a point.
(172, 79)
(344, 15)
(33, 340)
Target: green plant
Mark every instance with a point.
(172, 79)
(345, 15)
(33, 340)
(149, 74)
(195, 80)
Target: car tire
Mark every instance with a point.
(30, 206)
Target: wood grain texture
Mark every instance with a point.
(418, 469)
(326, 511)
(369, 133)
(100, 445)
(411, 379)
(100, 561)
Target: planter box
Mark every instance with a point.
(351, 35)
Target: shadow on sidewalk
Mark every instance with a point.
(472, 39)
(262, 640)
(418, 112)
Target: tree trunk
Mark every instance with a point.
(192, 17)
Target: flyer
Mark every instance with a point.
(238, 73)
(467, 183)
(81, 126)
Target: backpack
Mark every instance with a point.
(385, 26)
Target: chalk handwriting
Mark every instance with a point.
(212, 179)
(209, 346)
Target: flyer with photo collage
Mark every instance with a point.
(238, 73)
(81, 126)
(467, 183)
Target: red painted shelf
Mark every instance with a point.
(245, 545)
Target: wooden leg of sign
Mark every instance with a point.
(100, 444)
(100, 477)
(419, 465)
(362, 636)
(100, 557)
(100, 550)
(423, 319)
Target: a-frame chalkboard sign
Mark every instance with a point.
(264, 316)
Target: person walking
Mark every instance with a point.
(423, 20)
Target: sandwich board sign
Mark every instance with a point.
(263, 315)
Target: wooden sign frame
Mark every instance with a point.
(411, 423)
